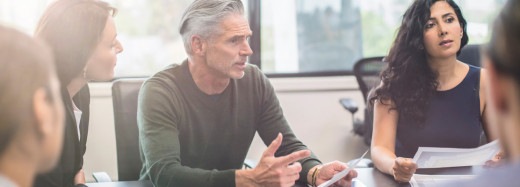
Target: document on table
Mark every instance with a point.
(436, 180)
(432, 157)
(357, 183)
(343, 173)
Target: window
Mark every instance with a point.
(309, 36)
(148, 31)
(294, 37)
(301, 37)
(22, 15)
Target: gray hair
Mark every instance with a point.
(203, 16)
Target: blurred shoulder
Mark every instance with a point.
(503, 176)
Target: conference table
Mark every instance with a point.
(371, 177)
(122, 184)
(367, 177)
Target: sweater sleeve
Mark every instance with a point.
(272, 121)
(158, 115)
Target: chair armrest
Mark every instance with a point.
(349, 104)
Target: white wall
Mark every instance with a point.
(311, 105)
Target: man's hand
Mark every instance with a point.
(328, 170)
(80, 177)
(403, 169)
(274, 171)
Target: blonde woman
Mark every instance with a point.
(82, 35)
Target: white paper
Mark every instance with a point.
(357, 183)
(343, 173)
(436, 180)
(431, 157)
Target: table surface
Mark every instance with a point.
(122, 184)
(367, 177)
(372, 177)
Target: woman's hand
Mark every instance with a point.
(496, 161)
(403, 169)
(79, 178)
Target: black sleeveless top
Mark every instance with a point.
(452, 120)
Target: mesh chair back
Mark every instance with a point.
(470, 54)
(367, 72)
(124, 98)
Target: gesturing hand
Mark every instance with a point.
(403, 169)
(278, 171)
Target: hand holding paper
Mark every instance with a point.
(433, 157)
(327, 176)
(403, 169)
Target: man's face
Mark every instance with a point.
(228, 49)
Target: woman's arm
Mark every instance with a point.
(490, 135)
(383, 144)
(383, 137)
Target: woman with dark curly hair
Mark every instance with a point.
(427, 97)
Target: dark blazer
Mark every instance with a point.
(71, 160)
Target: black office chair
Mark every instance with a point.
(124, 98)
(367, 72)
(470, 54)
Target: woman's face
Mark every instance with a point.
(100, 66)
(443, 33)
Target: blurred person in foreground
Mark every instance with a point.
(502, 61)
(31, 110)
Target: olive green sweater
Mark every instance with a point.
(189, 138)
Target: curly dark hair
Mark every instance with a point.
(408, 81)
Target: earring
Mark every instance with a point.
(85, 74)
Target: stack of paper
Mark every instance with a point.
(436, 180)
(431, 157)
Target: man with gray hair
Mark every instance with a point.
(197, 119)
